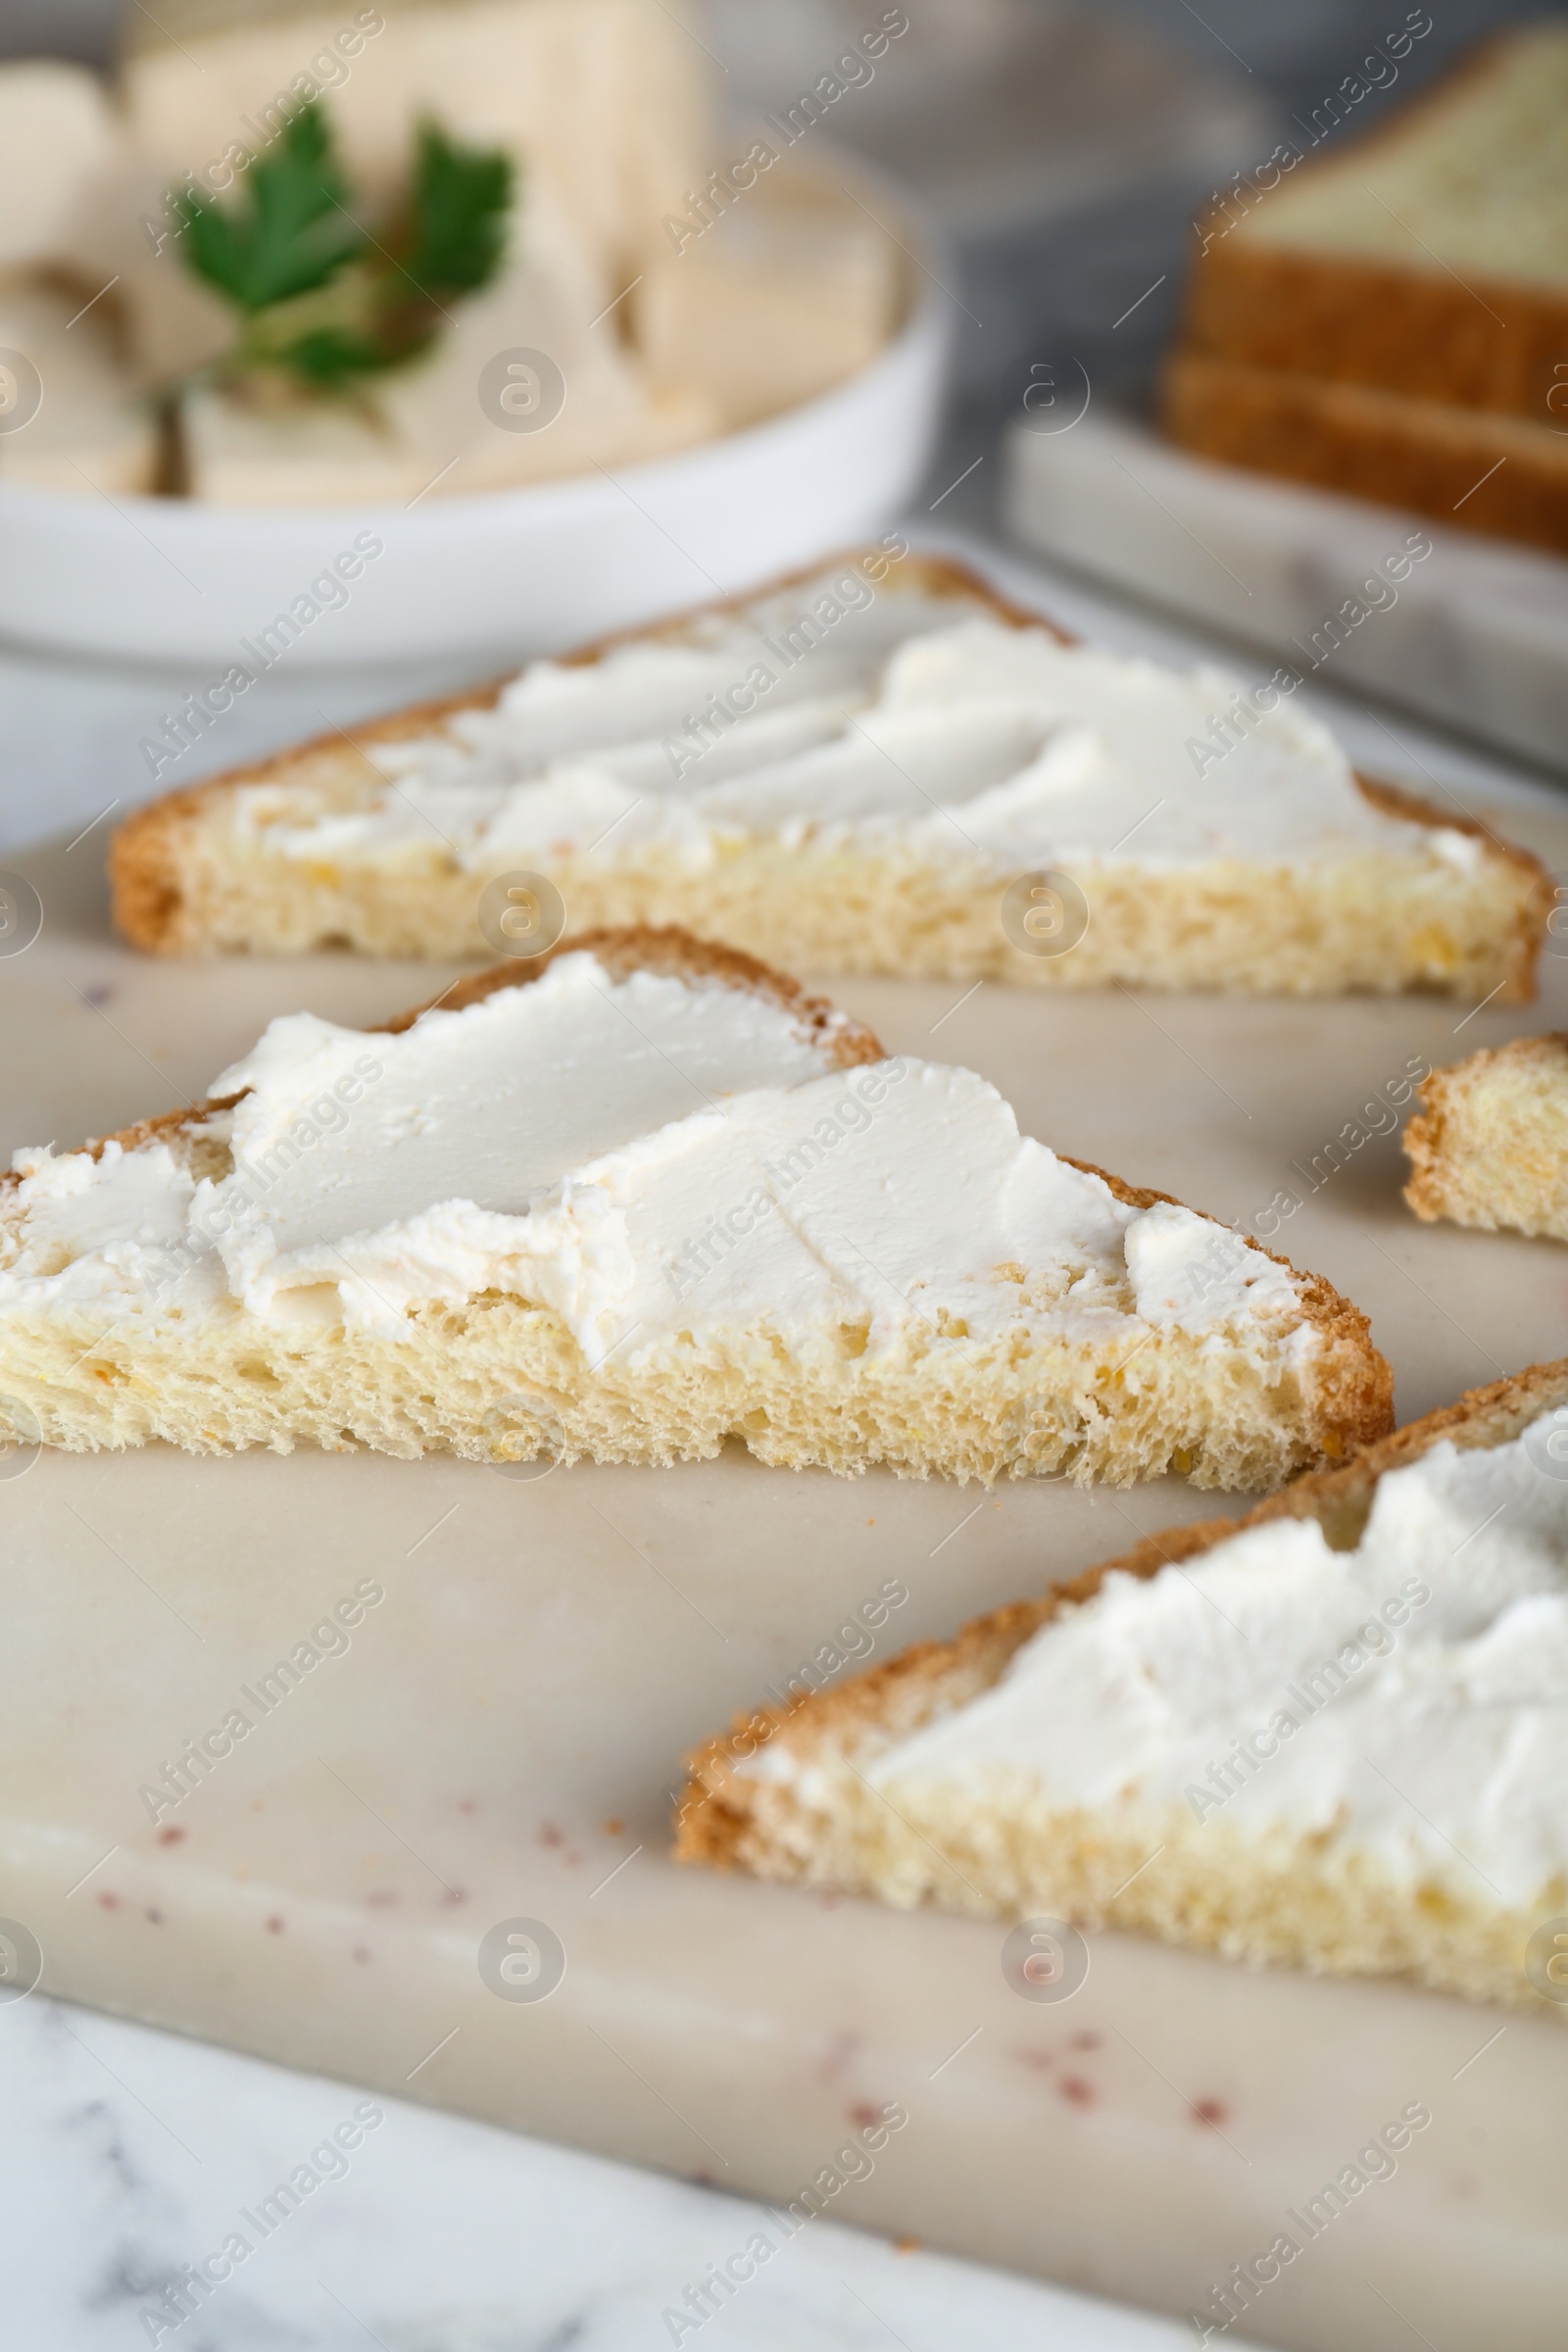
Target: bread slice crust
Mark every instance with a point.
(956, 1412)
(1379, 922)
(727, 1819)
(1347, 319)
(1471, 469)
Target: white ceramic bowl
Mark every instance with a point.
(516, 571)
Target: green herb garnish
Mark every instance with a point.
(328, 304)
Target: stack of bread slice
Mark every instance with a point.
(1389, 317)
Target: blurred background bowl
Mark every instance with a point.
(176, 581)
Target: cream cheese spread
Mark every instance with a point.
(1407, 1700)
(906, 727)
(661, 1161)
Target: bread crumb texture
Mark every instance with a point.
(1375, 922)
(1490, 1145)
(499, 1380)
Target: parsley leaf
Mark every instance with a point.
(326, 304)
(457, 229)
(333, 359)
(294, 233)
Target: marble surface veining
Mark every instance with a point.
(129, 2154)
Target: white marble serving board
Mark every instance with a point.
(1477, 638)
(500, 1736)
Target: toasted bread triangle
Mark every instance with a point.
(1244, 1407)
(807, 1814)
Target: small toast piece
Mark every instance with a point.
(877, 766)
(1382, 1650)
(631, 1198)
(1490, 1145)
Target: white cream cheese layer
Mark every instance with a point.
(652, 1159)
(905, 727)
(1407, 1700)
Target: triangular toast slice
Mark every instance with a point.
(631, 1198)
(879, 766)
(1333, 1732)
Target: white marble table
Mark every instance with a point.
(129, 2154)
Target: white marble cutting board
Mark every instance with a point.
(1478, 638)
(499, 1738)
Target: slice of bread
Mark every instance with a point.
(1490, 1145)
(1429, 258)
(1479, 469)
(628, 1201)
(1056, 1760)
(869, 769)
